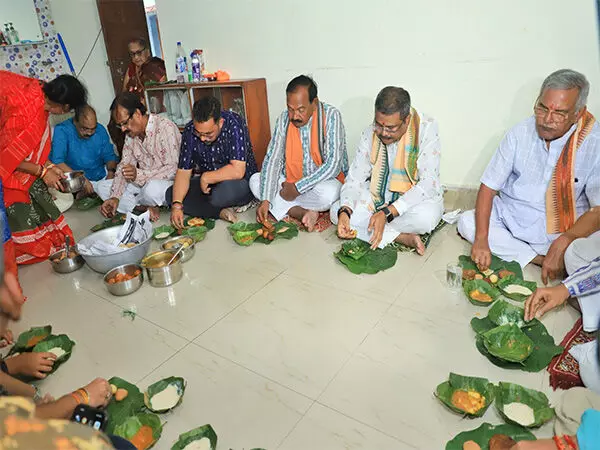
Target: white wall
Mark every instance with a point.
(78, 23)
(474, 65)
(24, 18)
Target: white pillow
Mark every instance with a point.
(589, 366)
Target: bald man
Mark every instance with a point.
(81, 143)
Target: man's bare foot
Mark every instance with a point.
(412, 240)
(228, 215)
(309, 220)
(538, 260)
(154, 213)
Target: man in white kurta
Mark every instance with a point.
(400, 217)
(513, 218)
(306, 160)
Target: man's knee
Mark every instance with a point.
(154, 193)
(573, 259)
(230, 193)
(426, 217)
(328, 191)
(255, 184)
(466, 225)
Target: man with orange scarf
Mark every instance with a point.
(544, 175)
(306, 161)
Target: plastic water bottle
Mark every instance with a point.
(180, 64)
(7, 34)
(14, 35)
(196, 71)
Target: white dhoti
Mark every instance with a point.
(151, 194)
(420, 219)
(580, 253)
(319, 198)
(501, 241)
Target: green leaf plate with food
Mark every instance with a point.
(516, 288)
(87, 203)
(204, 438)
(469, 396)
(480, 292)
(525, 407)
(480, 437)
(164, 395)
(498, 267)
(60, 345)
(508, 342)
(503, 313)
(30, 338)
(127, 400)
(142, 430)
(163, 232)
(358, 257)
(119, 219)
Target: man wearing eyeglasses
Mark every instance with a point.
(306, 161)
(81, 143)
(217, 144)
(544, 175)
(149, 162)
(393, 190)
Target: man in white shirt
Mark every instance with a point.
(393, 190)
(544, 175)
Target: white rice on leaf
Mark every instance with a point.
(200, 444)
(517, 289)
(520, 413)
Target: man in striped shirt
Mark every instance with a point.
(582, 263)
(306, 161)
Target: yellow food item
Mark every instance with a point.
(479, 277)
(494, 278)
(121, 395)
(113, 389)
(143, 439)
(468, 401)
(196, 222)
(471, 445)
(35, 340)
(130, 245)
(488, 272)
(480, 296)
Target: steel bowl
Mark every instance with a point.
(65, 265)
(124, 287)
(73, 182)
(166, 275)
(176, 242)
(104, 263)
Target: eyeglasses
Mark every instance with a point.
(202, 135)
(541, 110)
(124, 124)
(138, 53)
(384, 129)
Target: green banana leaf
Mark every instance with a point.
(30, 338)
(371, 262)
(508, 342)
(507, 281)
(482, 286)
(163, 229)
(61, 341)
(87, 203)
(205, 431)
(244, 233)
(283, 230)
(129, 406)
(503, 313)
(160, 386)
(196, 233)
(544, 348)
(497, 265)
(131, 426)
(456, 382)
(119, 219)
(485, 432)
(507, 393)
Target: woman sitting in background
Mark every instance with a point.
(38, 228)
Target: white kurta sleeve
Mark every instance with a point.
(359, 173)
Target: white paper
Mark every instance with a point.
(136, 229)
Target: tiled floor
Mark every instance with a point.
(280, 345)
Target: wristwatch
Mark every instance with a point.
(388, 214)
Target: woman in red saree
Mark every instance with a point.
(38, 228)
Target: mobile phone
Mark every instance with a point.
(92, 417)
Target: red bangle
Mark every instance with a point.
(559, 443)
(570, 441)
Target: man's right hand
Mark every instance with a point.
(109, 207)
(99, 392)
(344, 230)
(481, 254)
(177, 218)
(262, 213)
